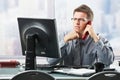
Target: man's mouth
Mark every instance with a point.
(77, 27)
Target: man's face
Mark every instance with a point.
(79, 21)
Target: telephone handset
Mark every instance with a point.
(86, 34)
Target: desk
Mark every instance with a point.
(8, 73)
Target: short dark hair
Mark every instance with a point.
(84, 8)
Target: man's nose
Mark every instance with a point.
(77, 22)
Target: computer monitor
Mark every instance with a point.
(38, 38)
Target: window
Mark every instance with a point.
(9, 11)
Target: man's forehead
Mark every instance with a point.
(80, 14)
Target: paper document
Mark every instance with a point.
(81, 71)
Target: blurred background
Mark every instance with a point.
(106, 20)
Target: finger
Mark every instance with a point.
(84, 32)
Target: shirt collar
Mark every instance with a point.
(77, 41)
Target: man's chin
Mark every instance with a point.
(77, 31)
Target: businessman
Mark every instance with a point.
(82, 45)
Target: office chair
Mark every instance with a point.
(33, 75)
(105, 75)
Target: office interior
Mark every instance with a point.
(106, 21)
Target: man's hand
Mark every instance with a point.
(70, 36)
(91, 32)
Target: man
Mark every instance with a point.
(82, 45)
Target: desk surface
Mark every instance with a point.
(8, 73)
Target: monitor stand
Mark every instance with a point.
(30, 63)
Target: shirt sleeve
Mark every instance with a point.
(61, 39)
(104, 51)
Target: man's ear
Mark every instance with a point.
(89, 22)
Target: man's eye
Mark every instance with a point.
(81, 19)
